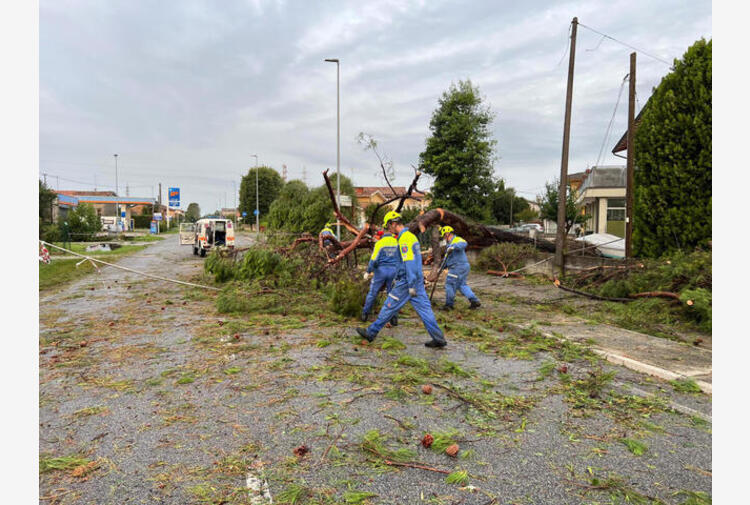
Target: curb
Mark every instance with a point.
(636, 365)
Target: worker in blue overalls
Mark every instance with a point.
(457, 265)
(409, 286)
(383, 266)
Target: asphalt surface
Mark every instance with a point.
(146, 380)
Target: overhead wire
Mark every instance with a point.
(625, 44)
(612, 119)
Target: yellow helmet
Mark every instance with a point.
(328, 225)
(445, 230)
(390, 216)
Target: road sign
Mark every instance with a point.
(153, 227)
(157, 216)
(174, 197)
(244, 214)
(256, 212)
(345, 201)
(122, 214)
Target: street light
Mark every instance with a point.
(338, 136)
(117, 205)
(257, 210)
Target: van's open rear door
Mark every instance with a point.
(187, 234)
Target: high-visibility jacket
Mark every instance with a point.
(385, 253)
(457, 257)
(411, 259)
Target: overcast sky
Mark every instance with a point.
(186, 91)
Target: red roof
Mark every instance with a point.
(366, 191)
(86, 193)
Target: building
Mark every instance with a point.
(602, 196)
(229, 213)
(108, 206)
(369, 195)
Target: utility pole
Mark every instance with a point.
(158, 224)
(117, 194)
(511, 210)
(561, 197)
(45, 179)
(94, 182)
(630, 163)
(58, 182)
(127, 189)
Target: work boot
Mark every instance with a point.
(475, 304)
(363, 333)
(363, 316)
(446, 307)
(435, 344)
(394, 320)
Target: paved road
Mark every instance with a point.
(145, 379)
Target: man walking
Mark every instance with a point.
(457, 265)
(384, 262)
(409, 286)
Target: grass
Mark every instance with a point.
(62, 463)
(63, 271)
(90, 411)
(635, 446)
(459, 477)
(685, 386)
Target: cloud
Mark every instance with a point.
(186, 91)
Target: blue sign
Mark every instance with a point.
(174, 197)
(122, 214)
(256, 212)
(244, 214)
(157, 216)
(153, 227)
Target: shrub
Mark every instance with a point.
(50, 233)
(700, 310)
(514, 256)
(220, 265)
(346, 297)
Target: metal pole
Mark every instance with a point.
(338, 141)
(561, 198)
(630, 163)
(257, 209)
(117, 204)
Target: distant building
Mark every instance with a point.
(107, 204)
(368, 195)
(602, 195)
(230, 213)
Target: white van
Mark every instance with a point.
(206, 233)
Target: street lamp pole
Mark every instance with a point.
(117, 204)
(338, 141)
(257, 210)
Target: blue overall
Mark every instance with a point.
(385, 262)
(327, 232)
(458, 268)
(409, 276)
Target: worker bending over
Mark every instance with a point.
(326, 240)
(457, 265)
(409, 286)
(384, 262)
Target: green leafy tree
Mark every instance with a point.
(548, 205)
(526, 215)
(460, 152)
(287, 212)
(298, 209)
(501, 204)
(193, 212)
(672, 197)
(83, 222)
(46, 197)
(269, 186)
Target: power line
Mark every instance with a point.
(625, 44)
(612, 119)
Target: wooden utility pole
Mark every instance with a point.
(561, 197)
(630, 163)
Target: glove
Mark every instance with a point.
(366, 276)
(412, 292)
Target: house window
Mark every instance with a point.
(616, 216)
